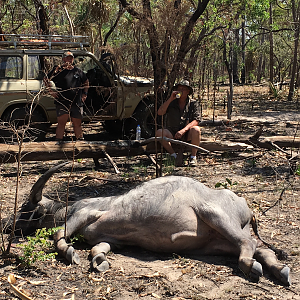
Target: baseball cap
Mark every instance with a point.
(68, 53)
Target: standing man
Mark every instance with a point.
(71, 91)
(182, 119)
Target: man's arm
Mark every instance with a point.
(196, 118)
(50, 84)
(180, 133)
(163, 108)
(85, 90)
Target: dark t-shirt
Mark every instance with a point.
(176, 120)
(69, 84)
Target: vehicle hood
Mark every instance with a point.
(137, 81)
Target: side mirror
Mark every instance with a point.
(105, 56)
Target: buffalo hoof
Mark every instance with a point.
(284, 276)
(100, 263)
(72, 256)
(256, 271)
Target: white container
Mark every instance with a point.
(138, 133)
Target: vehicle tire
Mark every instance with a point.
(115, 127)
(144, 116)
(17, 118)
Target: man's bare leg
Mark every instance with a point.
(77, 128)
(194, 136)
(166, 145)
(61, 124)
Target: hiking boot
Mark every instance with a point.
(171, 160)
(179, 159)
(81, 139)
(193, 162)
(59, 142)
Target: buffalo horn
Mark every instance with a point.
(37, 189)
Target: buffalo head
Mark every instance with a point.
(38, 211)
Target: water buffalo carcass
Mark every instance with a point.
(167, 214)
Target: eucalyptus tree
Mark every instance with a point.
(169, 25)
(295, 7)
(17, 16)
(90, 17)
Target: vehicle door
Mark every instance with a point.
(12, 80)
(101, 102)
(36, 88)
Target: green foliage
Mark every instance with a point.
(38, 247)
(297, 172)
(140, 168)
(227, 184)
(169, 164)
(273, 89)
(77, 238)
(251, 162)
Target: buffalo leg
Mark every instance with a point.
(247, 263)
(279, 270)
(77, 221)
(64, 249)
(98, 253)
(240, 237)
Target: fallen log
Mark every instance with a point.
(273, 141)
(266, 142)
(283, 141)
(43, 151)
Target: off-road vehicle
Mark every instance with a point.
(25, 100)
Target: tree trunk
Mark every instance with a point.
(261, 61)
(42, 18)
(271, 45)
(296, 42)
(113, 27)
(69, 20)
(235, 57)
(228, 62)
(243, 75)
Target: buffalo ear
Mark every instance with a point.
(37, 190)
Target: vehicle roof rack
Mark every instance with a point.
(43, 41)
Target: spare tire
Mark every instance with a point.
(18, 118)
(144, 116)
(114, 127)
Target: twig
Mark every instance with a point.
(295, 156)
(260, 287)
(89, 177)
(11, 279)
(152, 159)
(152, 139)
(278, 148)
(257, 133)
(279, 199)
(111, 161)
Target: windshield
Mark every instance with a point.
(85, 63)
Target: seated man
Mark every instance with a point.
(182, 119)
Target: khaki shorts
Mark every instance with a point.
(74, 111)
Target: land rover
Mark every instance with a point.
(25, 101)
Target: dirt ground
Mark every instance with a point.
(259, 175)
